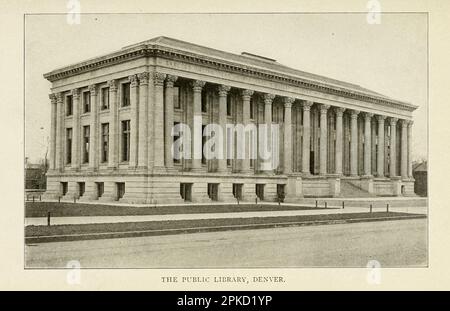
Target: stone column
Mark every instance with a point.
(143, 114)
(392, 149)
(168, 121)
(113, 126)
(268, 99)
(354, 144)
(367, 144)
(197, 87)
(93, 125)
(306, 143)
(287, 161)
(76, 130)
(404, 150)
(60, 133)
(339, 139)
(53, 126)
(380, 156)
(323, 139)
(246, 95)
(132, 163)
(158, 120)
(410, 172)
(223, 91)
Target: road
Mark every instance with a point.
(393, 243)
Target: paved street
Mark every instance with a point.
(393, 243)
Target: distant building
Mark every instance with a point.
(35, 176)
(420, 173)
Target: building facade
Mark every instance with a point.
(112, 120)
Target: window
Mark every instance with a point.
(126, 141)
(204, 102)
(105, 142)
(86, 102)
(176, 97)
(86, 131)
(176, 156)
(64, 187)
(69, 105)
(229, 106)
(252, 109)
(203, 144)
(120, 190)
(81, 188)
(68, 145)
(125, 94)
(105, 98)
(100, 189)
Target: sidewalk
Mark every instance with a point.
(42, 221)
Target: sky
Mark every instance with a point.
(389, 57)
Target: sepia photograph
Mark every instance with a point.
(237, 140)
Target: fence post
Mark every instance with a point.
(387, 208)
(33, 198)
(40, 198)
(371, 208)
(74, 199)
(59, 199)
(48, 219)
(316, 203)
(325, 204)
(343, 206)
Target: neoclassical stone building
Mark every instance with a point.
(112, 116)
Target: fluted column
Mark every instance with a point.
(158, 120)
(404, 150)
(339, 139)
(354, 144)
(113, 126)
(367, 144)
(246, 95)
(287, 160)
(223, 91)
(392, 149)
(93, 125)
(410, 172)
(143, 114)
(197, 87)
(168, 120)
(306, 143)
(323, 139)
(133, 120)
(268, 99)
(380, 156)
(53, 125)
(60, 133)
(76, 130)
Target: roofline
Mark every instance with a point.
(153, 48)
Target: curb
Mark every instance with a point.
(160, 232)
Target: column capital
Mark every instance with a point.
(93, 89)
(197, 85)
(170, 80)
(143, 77)
(288, 101)
(112, 84)
(52, 97)
(324, 108)
(381, 118)
(354, 113)
(158, 78)
(410, 123)
(223, 90)
(246, 94)
(133, 80)
(76, 93)
(59, 97)
(268, 98)
(404, 123)
(339, 111)
(368, 116)
(306, 105)
(393, 121)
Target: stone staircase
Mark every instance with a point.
(351, 190)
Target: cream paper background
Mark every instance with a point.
(13, 276)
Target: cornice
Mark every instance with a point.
(154, 50)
